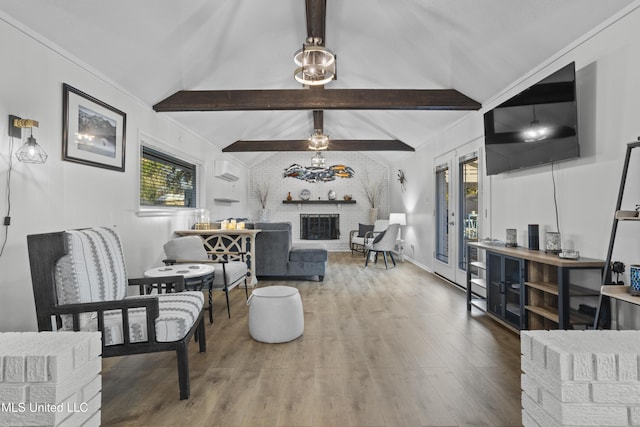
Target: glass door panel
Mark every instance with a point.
(495, 291)
(468, 195)
(442, 213)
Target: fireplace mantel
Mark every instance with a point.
(319, 202)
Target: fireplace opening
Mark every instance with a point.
(319, 226)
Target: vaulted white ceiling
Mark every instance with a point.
(153, 48)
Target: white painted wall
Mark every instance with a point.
(609, 111)
(60, 195)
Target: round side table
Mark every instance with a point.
(196, 276)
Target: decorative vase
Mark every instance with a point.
(289, 198)
(331, 195)
(264, 215)
(373, 215)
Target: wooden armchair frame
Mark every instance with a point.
(46, 249)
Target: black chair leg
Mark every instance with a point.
(226, 289)
(183, 370)
(384, 255)
(366, 259)
(392, 259)
(211, 303)
(200, 334)
(226, 292)
(246, 292)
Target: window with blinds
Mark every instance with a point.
(166, 180)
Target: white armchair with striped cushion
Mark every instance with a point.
(80, 283)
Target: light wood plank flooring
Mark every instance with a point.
(380, 348)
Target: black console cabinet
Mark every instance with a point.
(527, 289)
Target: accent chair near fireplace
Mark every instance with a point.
(276, 256)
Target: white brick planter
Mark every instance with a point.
(580, 378)
(50, 378)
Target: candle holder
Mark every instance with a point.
(512, 238)
(553, 243)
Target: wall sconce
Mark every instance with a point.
(30, 152)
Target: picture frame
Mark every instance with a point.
(93, 132)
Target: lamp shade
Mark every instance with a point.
(398, 218)
(31, 152)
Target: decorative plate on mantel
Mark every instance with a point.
(305, 194)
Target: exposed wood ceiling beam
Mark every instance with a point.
(243, 146)
(316, 18)
(318, 119)
(306, 99)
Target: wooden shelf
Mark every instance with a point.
(579, 291)
(552, 288)
(619, 217)
(223, 200)
(580, 318)
(620, 292)
(478, 264)
(550, 313)
(480, 303)
(577, 317)
(319, 202)
(482, 283)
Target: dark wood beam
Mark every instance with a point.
(318, 119)
(244, 146)
(316, 18)
(328, 99)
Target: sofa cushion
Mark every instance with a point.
(363, 229)
(307, 254)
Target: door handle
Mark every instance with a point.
(452, 222)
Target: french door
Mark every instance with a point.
(456, 211)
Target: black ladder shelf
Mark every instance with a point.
(606, 276)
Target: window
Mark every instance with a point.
(166, 181)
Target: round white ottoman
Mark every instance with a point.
(275, 314)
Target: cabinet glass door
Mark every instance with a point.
(495, 291)
(513, 291)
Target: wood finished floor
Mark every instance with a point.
(380, 348)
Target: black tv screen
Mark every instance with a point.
(535, 127)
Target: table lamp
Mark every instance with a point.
(398, 218)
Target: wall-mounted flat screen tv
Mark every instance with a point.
(535, 127)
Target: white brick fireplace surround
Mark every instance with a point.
(366, 168)
(50, 378)
(580, 378)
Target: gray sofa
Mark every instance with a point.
(276, 256)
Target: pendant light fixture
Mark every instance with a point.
(316, 64)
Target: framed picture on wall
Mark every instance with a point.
(93, 132)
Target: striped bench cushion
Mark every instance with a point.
(178, 313)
